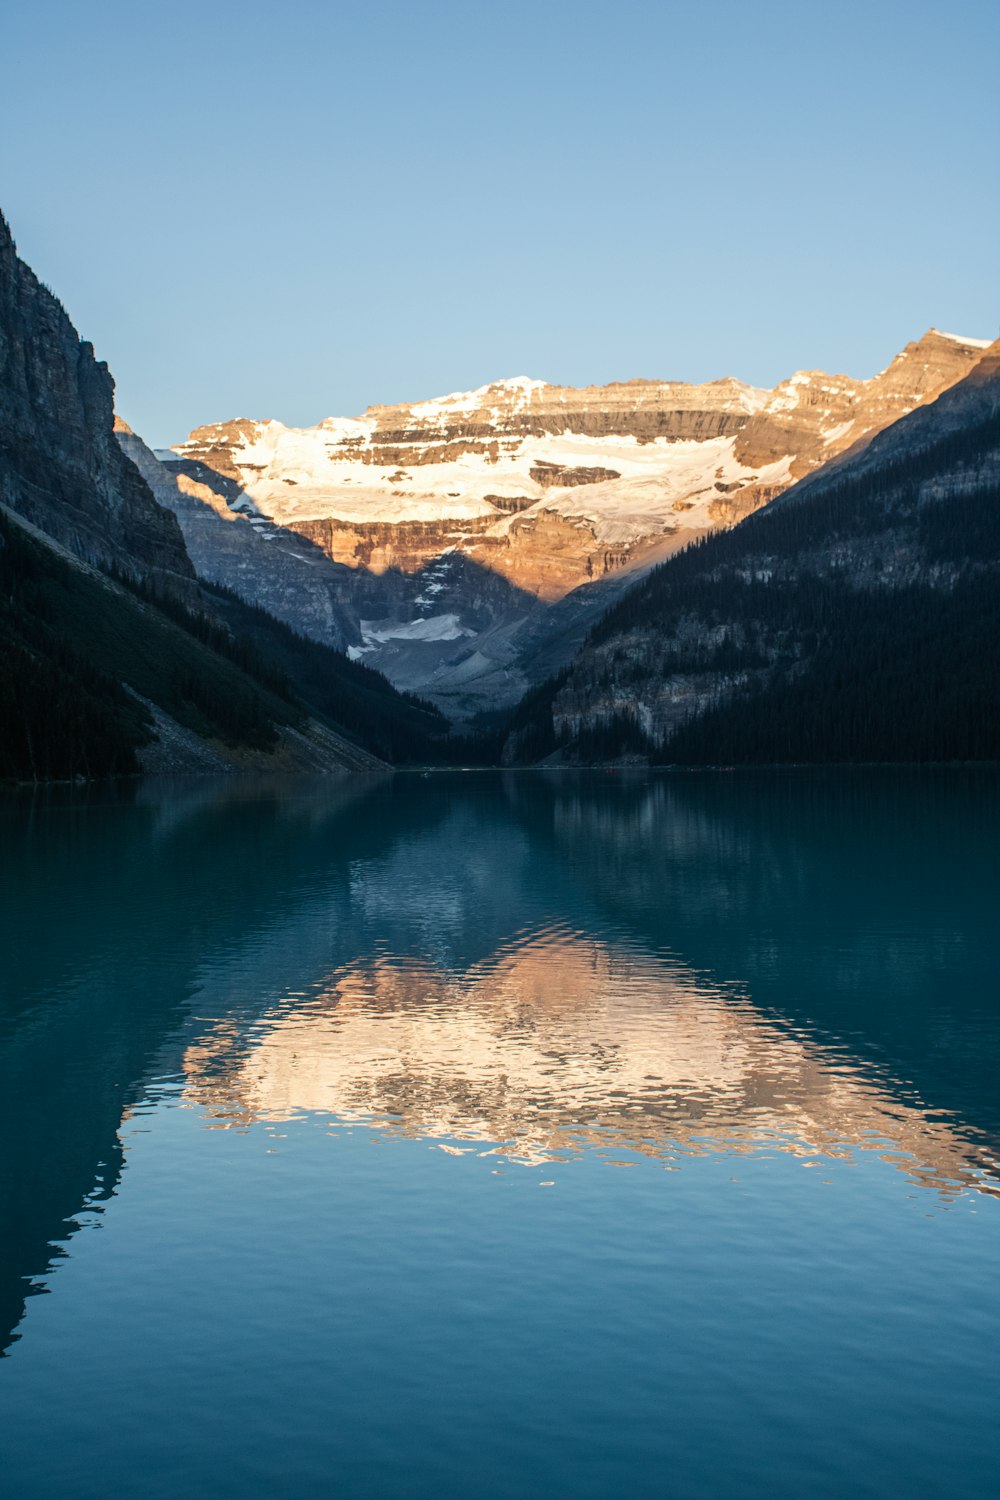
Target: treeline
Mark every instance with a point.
(229, 672)
(240, 650)
(529, 734)
(906, 675)
(70, 639)
(59, 718)
(355, 700)
(804, 650)
(910, 674)
(842, 506)
(60, 715)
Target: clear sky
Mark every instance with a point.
(295, 210)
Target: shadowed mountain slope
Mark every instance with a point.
(856, 617)
(60, 466)
(112, 657)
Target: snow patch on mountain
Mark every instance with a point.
(959, 338)
(295, 474)
(375, 633)
(445, 407)
(540, 491)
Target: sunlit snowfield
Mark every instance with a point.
(501, 1135)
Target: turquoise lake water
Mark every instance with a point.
(501, 1135)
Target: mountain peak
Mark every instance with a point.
(956, 338)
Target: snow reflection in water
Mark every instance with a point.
(562, 1043)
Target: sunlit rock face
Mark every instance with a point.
(618, 465)
(668, 665)
(546, 489)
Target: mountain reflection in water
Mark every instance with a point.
(558, 1043)
(538, 965)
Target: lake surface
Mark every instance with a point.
(501, 1135)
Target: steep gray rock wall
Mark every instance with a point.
(60, 466)
(269, 566)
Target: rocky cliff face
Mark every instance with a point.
(103, 675)
(619, 466)
(278, 570)
(858, 613)
(542, 490)
(60, 466)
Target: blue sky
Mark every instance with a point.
(297, 210)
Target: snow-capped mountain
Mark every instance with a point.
(459, 519)
(855, 618)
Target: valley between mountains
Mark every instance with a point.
(464, 545)
(523, 574)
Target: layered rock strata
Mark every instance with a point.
(542, 490)
(915, 509)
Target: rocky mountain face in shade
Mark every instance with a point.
(275, 569)
(856, 617)
(60, 466)
(114, 656)
(453, 526)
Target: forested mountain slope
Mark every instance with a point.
(101, 677)
(113, 658)
(855, 618)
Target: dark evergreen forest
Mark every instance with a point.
(70, 638)
(857, 619)
(897, 675)
(362, 704)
